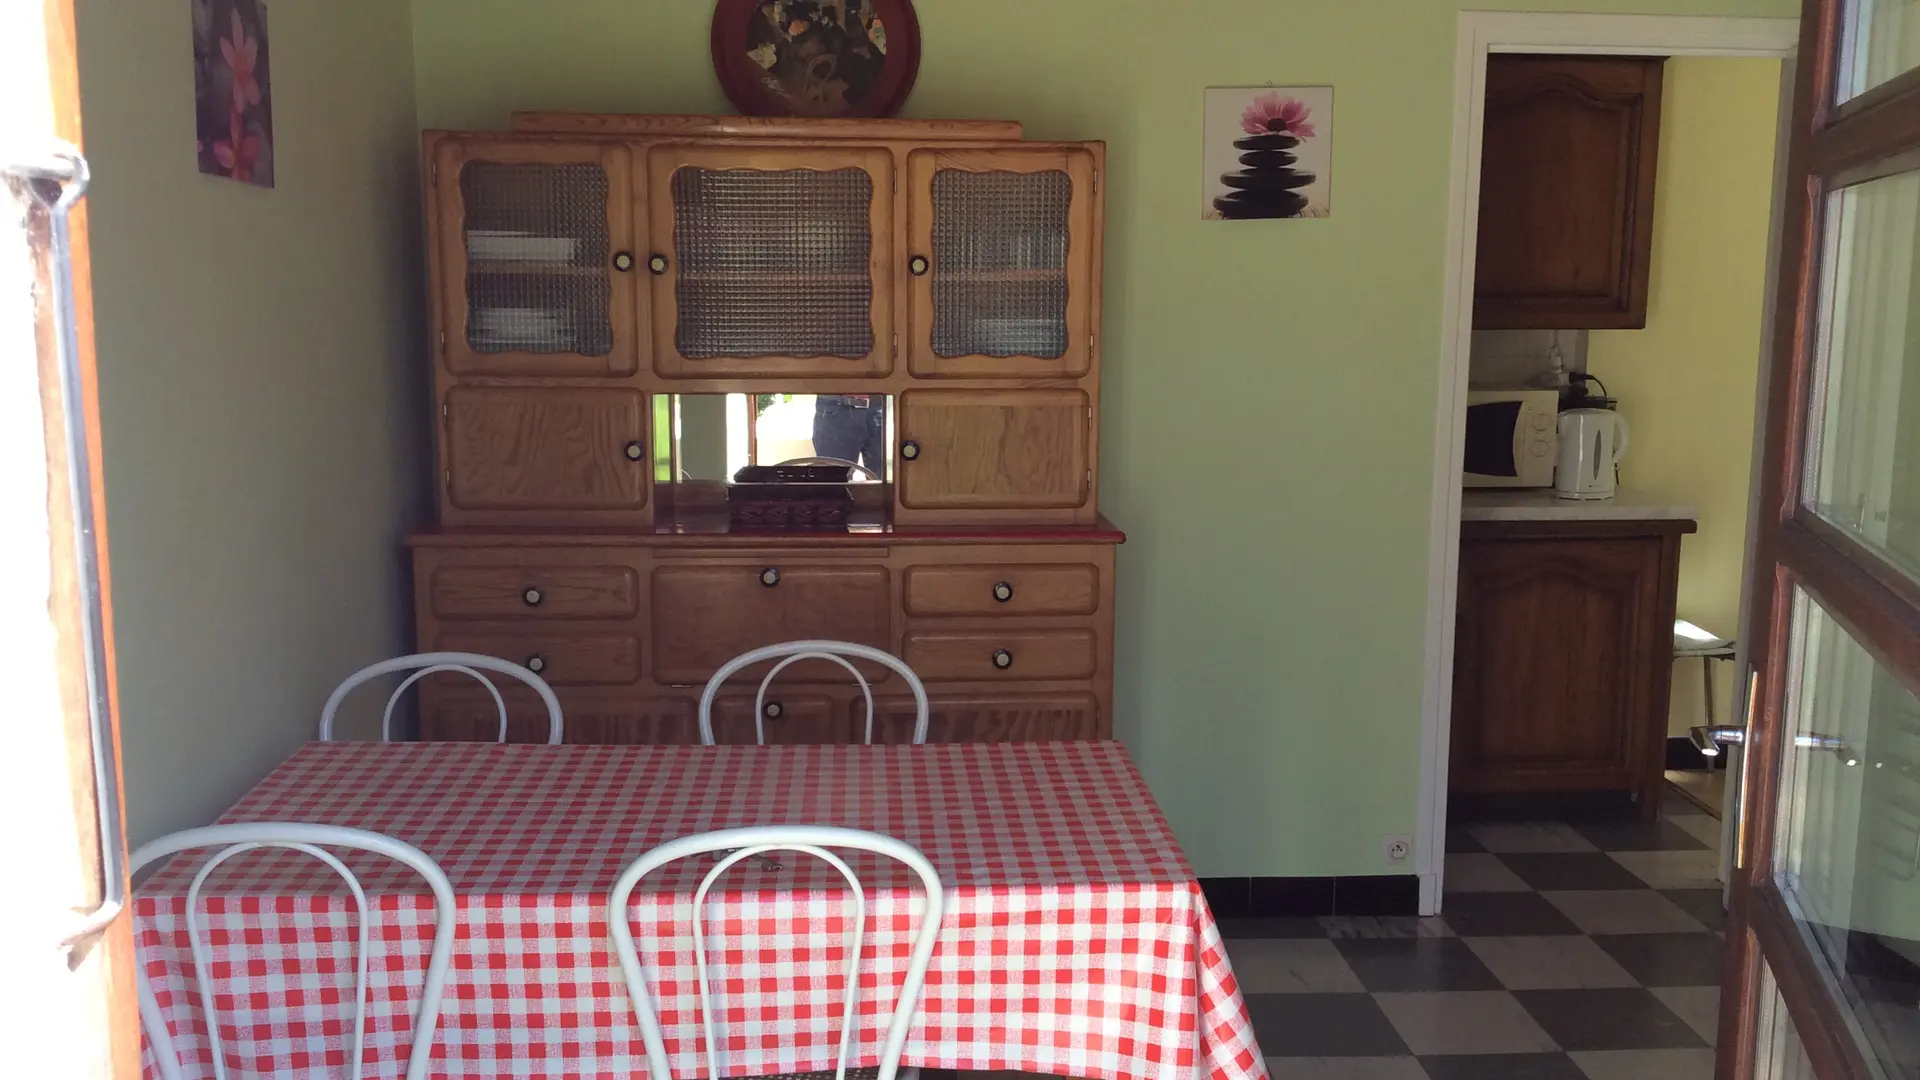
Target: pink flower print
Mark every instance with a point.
(1273, 113)
(242, 54)
(239, 152)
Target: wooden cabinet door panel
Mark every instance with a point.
(539, 589)
(1552, 636)
(981, 718)
(771, 262)
(547, 451)
(705, 614)
(533, 255)
(1009, 654)
(959, 591)
(1003, 261)
(792, 719)
(1566, 192)
(562, 659)
(1007, 450)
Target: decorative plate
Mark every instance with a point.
(816, 57)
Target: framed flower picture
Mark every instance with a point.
(1268, 153)
(233, 100)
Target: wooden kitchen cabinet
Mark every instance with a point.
(1568, 154)
(1562, 656)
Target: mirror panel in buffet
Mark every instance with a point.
(712, 437)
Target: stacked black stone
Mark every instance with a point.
(1267, 187)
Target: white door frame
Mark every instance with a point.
(1480, 34)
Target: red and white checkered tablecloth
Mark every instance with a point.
(1076, 940)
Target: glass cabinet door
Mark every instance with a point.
(771, 262)
(1002, 261)
(535, 258)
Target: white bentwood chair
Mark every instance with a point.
(427, 663)
(236, 839)
(792, 652)
(760, 840)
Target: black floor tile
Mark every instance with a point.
(1461, 842)
(1575, 870)
(1504, 915)
(1322, 1025)
(1271, 928)
(1502, 1067)
(1662, 835)
(1415, 965)
(1607, 1019)
(1668, 959)
(1702, 904)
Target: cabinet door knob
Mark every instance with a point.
(770, 576)
(536, 663)
(533, 596)
(1002, 659)
(1003, 591)
(773, 710)
(910, 450)
(623, 261)
(636, 450)
(657, 263)
(917, 266)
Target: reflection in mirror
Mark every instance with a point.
(714, 436)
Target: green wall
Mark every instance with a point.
(1687, 381)
(1270, 386)
(262, 397)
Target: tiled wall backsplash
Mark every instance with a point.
(1510, 358)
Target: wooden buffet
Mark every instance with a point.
(589, 272)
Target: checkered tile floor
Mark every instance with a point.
(1564, 951)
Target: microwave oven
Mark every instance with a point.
(1511, 438)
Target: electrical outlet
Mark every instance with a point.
(1396, 848)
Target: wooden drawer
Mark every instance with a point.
(562, 659)
(792, 719)
(705, 614)
(976, 655)
(1002, 590)
(535, 590)
(971, 718)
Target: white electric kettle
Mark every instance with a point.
(1592, 442)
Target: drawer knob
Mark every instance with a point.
(636, 450)
(1002, 659)
(623, 261)
(770, 576)
(536, 663)
(773, 710)
(1003, 591)
(910, 450)
(918, 265)
(657, 264)
(533, 596)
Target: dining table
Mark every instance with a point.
(1076, 940)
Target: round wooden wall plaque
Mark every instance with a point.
(816, 57)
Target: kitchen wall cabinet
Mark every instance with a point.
(1563, 650)
(1568, 154)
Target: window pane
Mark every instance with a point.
(1847, 851)
(1778, 1054)
(1879, 39)
(1863, 443)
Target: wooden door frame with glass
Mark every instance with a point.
(1817, 581)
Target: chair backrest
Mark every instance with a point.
(236, 839)
(791, 652)
(425, 664)
(814, 840)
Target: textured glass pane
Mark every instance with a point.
(1879, 39)
(537, 259)
(1847, 843)
(773, 263)
(1000, 263)
(1863, 447)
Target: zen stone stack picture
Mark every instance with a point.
(1268, 153)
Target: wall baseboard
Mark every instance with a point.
(1311, 897)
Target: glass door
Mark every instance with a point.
(1824, 972)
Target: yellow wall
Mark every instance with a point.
(1687, 382)
(261, 388)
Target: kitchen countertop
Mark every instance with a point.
(1541, 504)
